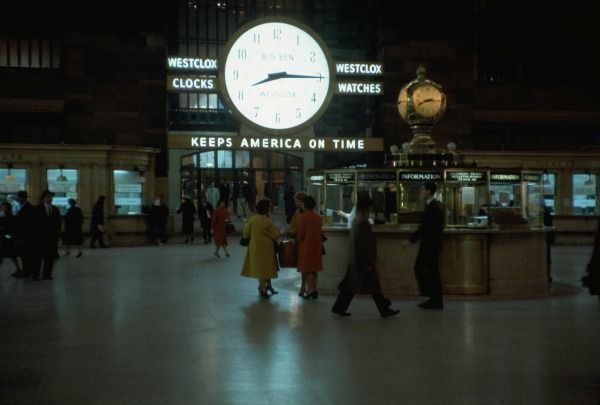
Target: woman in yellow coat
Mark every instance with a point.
(310, 250)
(260, 261)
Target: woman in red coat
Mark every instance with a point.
(310, 250)
(219, 227)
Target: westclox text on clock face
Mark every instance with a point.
(277, 75)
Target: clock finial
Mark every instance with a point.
(421, 72)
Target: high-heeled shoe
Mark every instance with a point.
(263, 293)
(217, 255)
(301, 294)
(270, 289)
(314, 295)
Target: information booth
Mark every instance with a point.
(491, 247)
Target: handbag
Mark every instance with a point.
(229, 227)
(245, 241)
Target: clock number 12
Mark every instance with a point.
(277, 34)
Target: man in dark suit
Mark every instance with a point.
(25, 232)
(430, 233)
(46, 238)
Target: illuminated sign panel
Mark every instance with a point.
(505, 177)
(466, 177)
(276, 143)
(359, 69)
(191, 63)
(191, 83)
(360, 88)
(340, 177)
(384, 176)
(419, 177)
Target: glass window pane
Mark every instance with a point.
(65, 185)
(11, 182)
(45, 53)
(3, 51)
(242, 159)
(207, 159)
(183, 100)
(24, 49)
(203, 101)
(584, 194)
(549, 186)
(212, 101)
(225, 159)
(128, 192)
(13, 45)
(56, 53)
(277, 161)
(35, 53)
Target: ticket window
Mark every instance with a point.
(505, 195)
(316, 188)
(385, 200)
(11, 182)
(64, 183)
(533, 202)
(466, 204)
(549, 190)
(128, 192)
(339, 197)
(584, 194)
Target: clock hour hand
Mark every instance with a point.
(428, 101)
(285, 75)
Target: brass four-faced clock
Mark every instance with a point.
(421, 103)
(276, 75)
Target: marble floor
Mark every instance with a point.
(175, 325)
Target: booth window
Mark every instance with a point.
(584, 194)
(11, 182)
(549, 187)
(64, 183)
(128, 192)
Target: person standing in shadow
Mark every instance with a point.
(97, 228)
(205, 213)
(362, 276)
(430, 233)
(73, 235)
(188, 212)
(26, 221)
(46, 237)
(8, 232)
(159, 216)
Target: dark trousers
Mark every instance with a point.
(97, 236)
(427, 272)
(206, 233)
(46, 257)
(344, 299)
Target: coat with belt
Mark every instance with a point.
(48, 228)
(309, 238)
(431, 230)
(361, 275)
(260, 260)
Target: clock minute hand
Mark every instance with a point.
(285, 75)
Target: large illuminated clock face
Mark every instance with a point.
(277, 75)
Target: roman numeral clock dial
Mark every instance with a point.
(276, 75)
